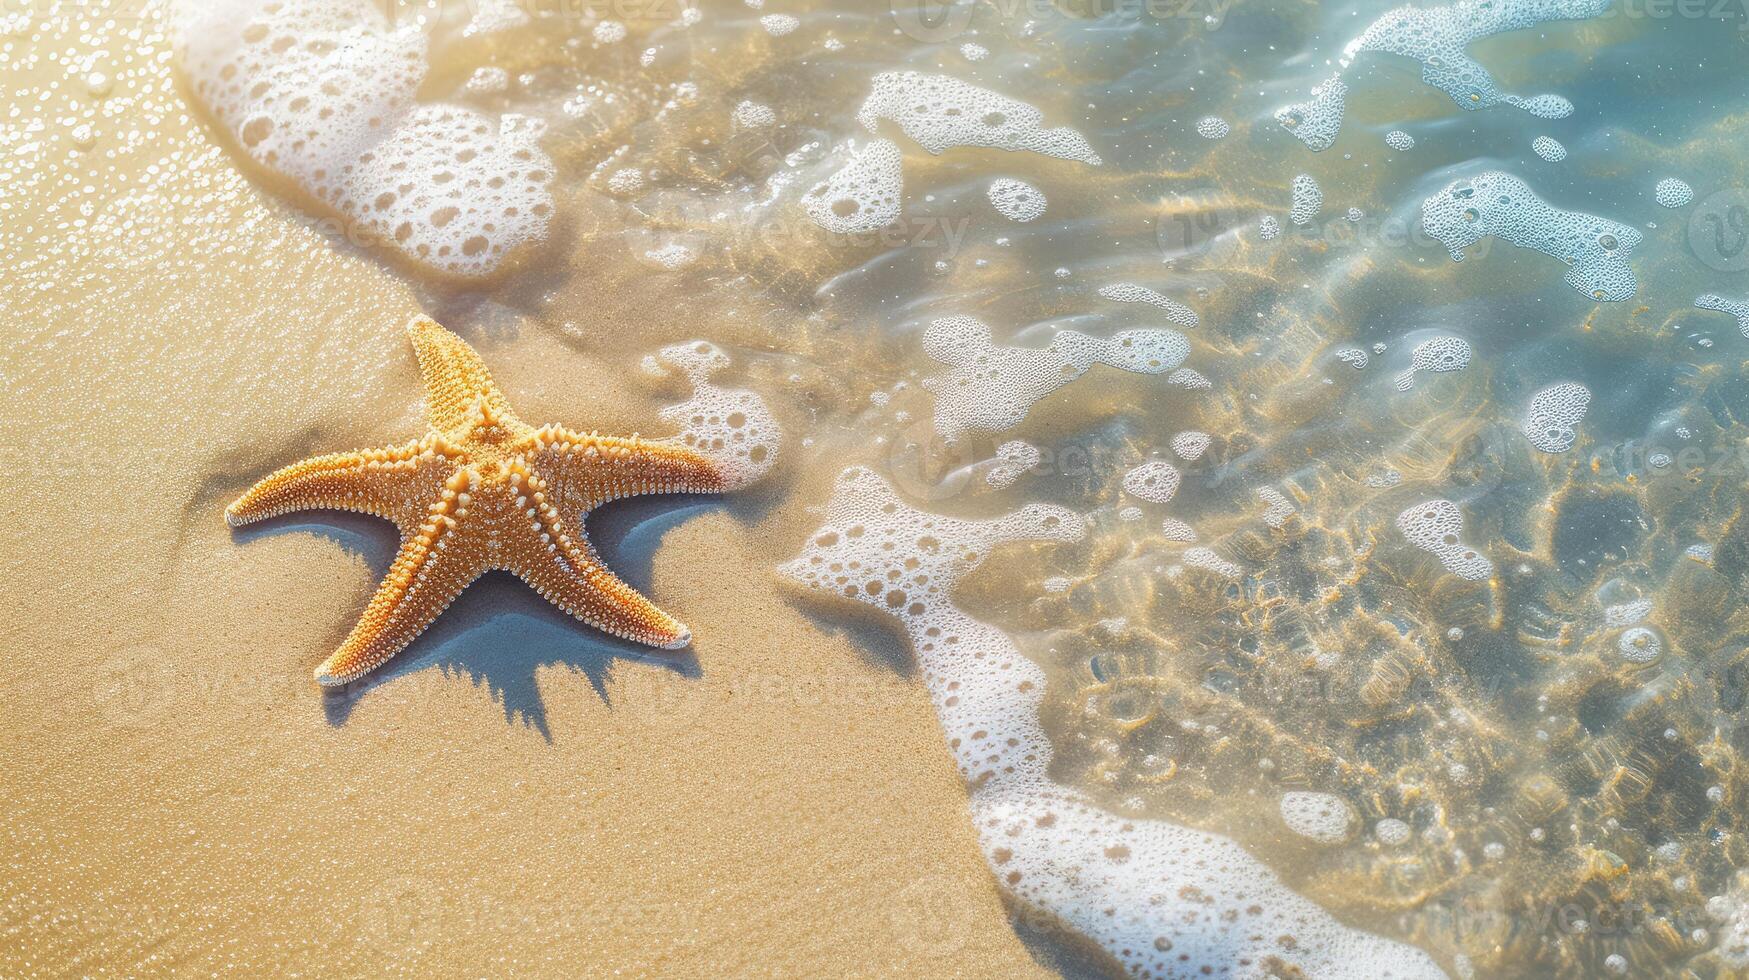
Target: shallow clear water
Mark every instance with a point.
(1570, 788)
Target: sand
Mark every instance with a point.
(515, 794)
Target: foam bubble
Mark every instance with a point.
(1212, 127)
(974, 52)
(1437, 37)
(753, 115)
(1437, 527)
(1189, 378)
(672, 256)
(609, 32)
(1308, 200)
(1317, 121)
(1595, 249)
(1268, 228)
(940, 112)
(1640, 645)
(1322, 817)
(1176, 530)
(1191, 445)
(1163, 900)
(322, 92)
(1206, 559)
(1673, 193)
(1732, 307)
(1016, 200)
(1384, 479)
(1436, 356)
(863, 195)
(1551, 423)
(1549, 149)
(1396, 139)
(1277, 508)
(1390, 831)
(992, 388)
(732, 427)
(626, 182)
(1154, 481)
(1013, 459)
(1129, 292)
(778, 25)
(1354, 357)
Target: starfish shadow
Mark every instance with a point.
(499, 631)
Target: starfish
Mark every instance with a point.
(483, 491)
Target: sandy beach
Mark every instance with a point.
(516, 795)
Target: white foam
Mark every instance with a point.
(1390, 831)
(1154, 481)
(1268, 228)
(1731, 307)
(1322, 817)
(1354, 357)
(1308, 200)
(940, 112)
(864, 195)
(1437, 527)
(1396, 139)
(1437, 37)
(672, 256)
(626, 182)
(1595, 249)
(974, 52)
(779, 25)
(732, 427)
(1191, 445)
(1129, 292)
(1176, 530)
(1163, 900)
(1436, 356)
(1016, 200)
(1189, 378)
(1014, 458)
(322, 93)
(1673, 193)
(1206, 559)
(1277, 508)
(609, 32)
(1640, 645)
(753, 115)
(992, 387)
(1551, 423)
(1212, 128)
(1549, 149)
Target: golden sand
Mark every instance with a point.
(517, 795)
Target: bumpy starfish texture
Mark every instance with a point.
(483, 491)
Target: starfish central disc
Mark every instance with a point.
(483, 491)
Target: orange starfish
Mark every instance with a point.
(483, 491)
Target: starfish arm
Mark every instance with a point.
(555, 558)
(395, 483)
(586, 471)
(459, 392)
(588, 591)
(436, 562)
